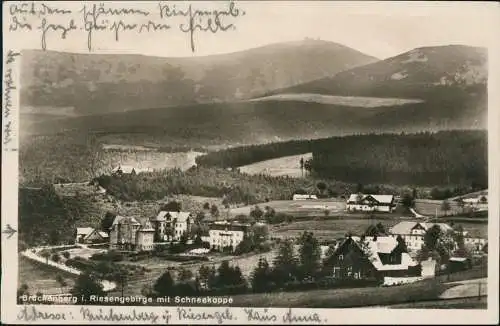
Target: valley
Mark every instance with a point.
(229, 161)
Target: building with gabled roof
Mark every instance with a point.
(90, 235)
(127, 233)
(172, 225)
(225, 235)
(413, 233)
(370, 203)
(371, 258)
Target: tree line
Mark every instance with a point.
(458, 157)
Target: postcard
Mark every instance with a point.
(250, 162)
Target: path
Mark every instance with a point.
(467, 288)
(107, 285)
(417, 214)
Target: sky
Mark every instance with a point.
(380, 29)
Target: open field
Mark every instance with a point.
(333, 228)
(355, 101)
(151, 159)
(345, 298)
(462, 303)
(329, 229)
(429, 207)
(283, 166)
(42, 278)
(298, 207)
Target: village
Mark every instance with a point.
(132, 253)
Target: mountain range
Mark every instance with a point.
(83, 84)
(306, 89)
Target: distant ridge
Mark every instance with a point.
(100, 83)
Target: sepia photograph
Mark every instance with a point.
(247, 154)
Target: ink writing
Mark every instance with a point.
(187, 314)
(202, 20)
(289, 318)
(9, 88)
(87, 20)
(111, 315)
(259, 315)
(31, 313)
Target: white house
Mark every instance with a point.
(172, 225)
(370, 203)
(224, 234)
(82, 233)
(413, 232)
(304, 197)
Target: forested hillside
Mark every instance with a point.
(46, 219)
(442, 158)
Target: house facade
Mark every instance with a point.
(370, 203)
(413, 232)
(89, 235)
(224, 235)
(304, 197)
(171, 225)
(127, 233)
(371, 258)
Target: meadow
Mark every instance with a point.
(42, 278)
(355, 101)
(297, 208)
(283, 166)
(150, 159)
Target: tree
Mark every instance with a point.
(184, 239)
(164, 285)
(184, 274)
(359, 188)
(458, 236)
(445, 207)
(56, 258)
(408, 201)
(23, 290)
(107, 221)
(61, 281)
(225, 203)
(229, 276)
(321, 187)
(260, 233)
(256, 213)
(206, 206)
(66, 254)
(269, 212)
(260, 280)
(172, 206)
(308, 165)
(245, 246)
(285, 264)
(121, 278)
(85, 286)
(461, 204)
(309, 255)
(301, 164)
(204, 275)
(45, 254)
(214, 210)
(431, 237)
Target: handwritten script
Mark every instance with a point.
(48, 20)
(9, 89)
(183, 315)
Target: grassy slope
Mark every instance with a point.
(287, 165)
